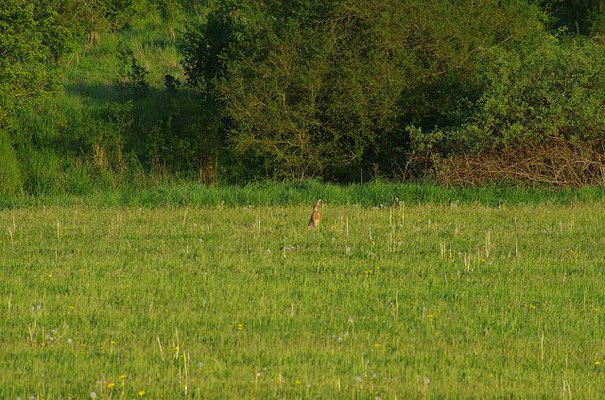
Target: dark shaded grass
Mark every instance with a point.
(374, 194)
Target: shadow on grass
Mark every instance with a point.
(102, 94)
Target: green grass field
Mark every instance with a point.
(435, 301)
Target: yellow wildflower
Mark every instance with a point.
(111, 385)
(141, 393)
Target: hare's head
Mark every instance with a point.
(316, 205)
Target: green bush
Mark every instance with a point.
(177, 134)
(579, 16)
(553, 90)
(132, 75)
(22, 55)
(326, 88)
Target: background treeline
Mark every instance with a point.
(131, 92)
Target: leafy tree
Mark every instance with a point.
(554, 90)
(22, 77)
(326, 87)
(22, 56)
(585, 17)
(131, 74)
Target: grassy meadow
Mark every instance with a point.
(394, 302)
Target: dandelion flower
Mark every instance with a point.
(240, 327)
(597, 363)
(111, 385)
(122, 376)
(141, 393)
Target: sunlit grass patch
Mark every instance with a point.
(241, 302)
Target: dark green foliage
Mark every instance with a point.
(205, 46)
(174, 133)
(555, 89)
(60, 28)
(132, 75)
(329, 87)
(578, 16)
(171, 83)
(22, 54)
(23, 77)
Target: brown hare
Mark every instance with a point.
(315, 217)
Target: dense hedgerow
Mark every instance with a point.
(23, 76)
(540, 118)
(340, 90)
(554, 89)
(330, 88)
